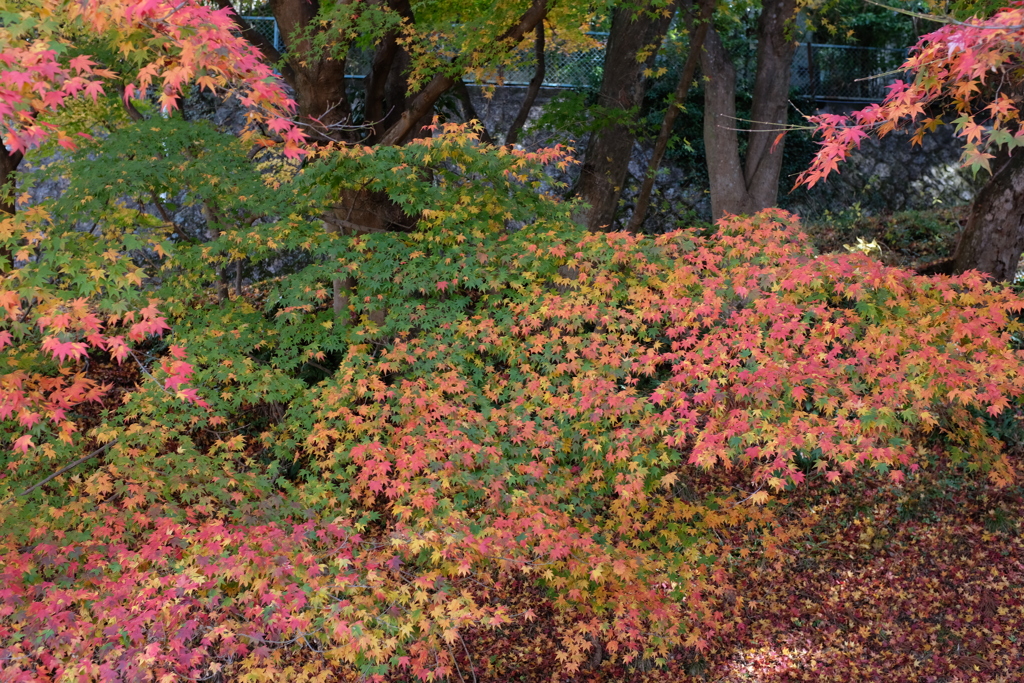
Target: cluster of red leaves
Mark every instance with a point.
(764, 342)
(37, 81)
(68, 330)
(176, 43)
(963, 67)
(47, 337)
(165, 597)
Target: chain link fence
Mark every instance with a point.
(844, 73)
(577, 69)
(820, 72)
(267, 27)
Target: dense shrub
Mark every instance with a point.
(505, 399)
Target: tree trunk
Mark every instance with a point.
(8, 200)
(8, 166)
(634, 33)
(318, 80)
(420, 105)
(743, 186)
(993, 240)
(698, 30)
(531, 91)
(387, 84)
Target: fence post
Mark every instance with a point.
(277, 38)
(812, 73)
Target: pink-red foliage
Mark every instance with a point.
(970, 68)
(173, 44)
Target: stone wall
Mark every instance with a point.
(889, 175)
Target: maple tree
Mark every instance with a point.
(199, 482)
(165, 47)
(146, 45)
(971, 69)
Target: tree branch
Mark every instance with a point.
(69, 466)
(532, 90)
(469, 111)
(440, 84)
(697, 35)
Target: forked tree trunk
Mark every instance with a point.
(318, 81)
(634, 33)
(993, 240)
(531, 92)
(747, 185)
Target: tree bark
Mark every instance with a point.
(634, 33)
(424, 101)
(8, 166)
(317, 79)
(743, 186)
(697, 36)
(387, 85)
(993, 240)
(531, 91)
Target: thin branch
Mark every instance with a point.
(943, 20)
(775, 127)
(173, 11)
(69, 466)
(319, 367)
(469, 658)
(456, 663)
(531, 92)
(356, 228)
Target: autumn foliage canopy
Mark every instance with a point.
(248, 484)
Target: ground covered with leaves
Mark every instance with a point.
(906, 239)
(923, 582)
